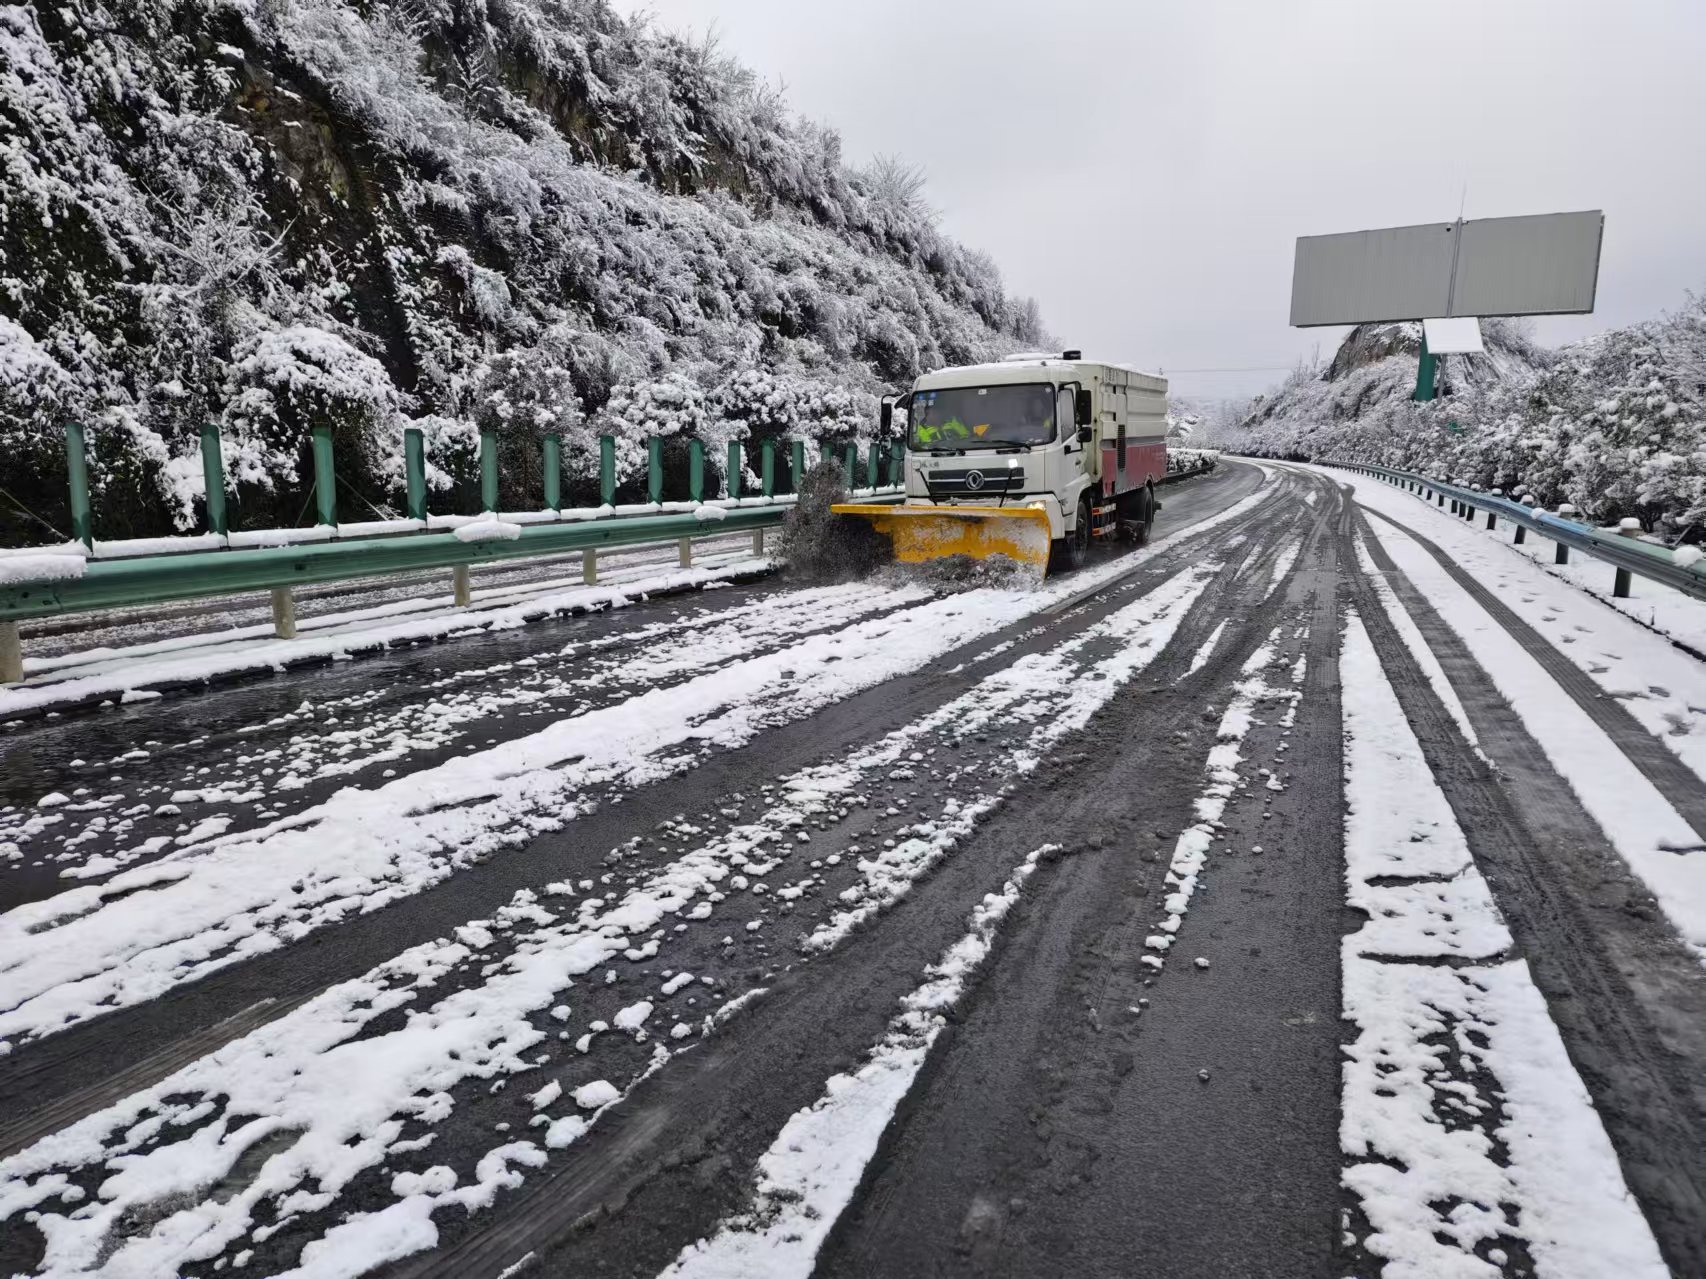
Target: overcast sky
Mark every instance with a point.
(1144, 168)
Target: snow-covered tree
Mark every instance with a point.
(472, 195)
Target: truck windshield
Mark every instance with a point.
(962, 417)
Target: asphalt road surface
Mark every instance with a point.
(878, 929)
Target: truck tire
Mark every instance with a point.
(1150, 505)
(1078, 540)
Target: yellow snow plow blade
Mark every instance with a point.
(925, 534)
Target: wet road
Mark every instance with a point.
(845, 930)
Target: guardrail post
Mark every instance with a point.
(797, 462)
(488, 472)
(607, 470)
(695, 470)
(758, 541)
(325, 478)
(1492, 520)
(1566, 511)
(213, 478)
(897, 462)
(1521, 535)
(283, 612)
(1624, 580)
(736, 464)
(825, 452)
(654, 470)
(1441, 496)
(685, 550)
(414, 472)
(873, 461)
(11, 653)
(77, 479)
(589, 566)
(852, 465)
(460, 587)
(553, 446)
(767, 468)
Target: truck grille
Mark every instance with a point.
(975, 482)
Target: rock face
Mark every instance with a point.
(1368, 343)
(525, 215)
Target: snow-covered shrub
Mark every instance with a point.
(452, 447)
(674, 409)
(281, 383)
(521, 396)
(35, 395)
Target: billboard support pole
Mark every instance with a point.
(1425, 373)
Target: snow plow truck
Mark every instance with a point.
(1030, 459)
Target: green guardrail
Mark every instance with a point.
(177, 575)
(1624, 552)
(164, 579)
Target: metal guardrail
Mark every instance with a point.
(1627, 554)
(164, 574)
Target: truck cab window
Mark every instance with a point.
(978, 417)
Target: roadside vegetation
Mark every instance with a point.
(527, 216)
(1614, 426)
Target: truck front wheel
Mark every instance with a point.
(1076, 543)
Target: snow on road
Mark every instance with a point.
(264, 769)
(146, 930)
(809, 1173)
(1637, 819)
(1190, 851)
(1405, 625)
(113, 673)
(1663, 687)
(339, 1096)
(1470, 1136)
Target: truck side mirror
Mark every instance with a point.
(1084, 434)
(1083, 410)
(885, 415)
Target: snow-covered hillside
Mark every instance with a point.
(1615, 425)
(534, 215)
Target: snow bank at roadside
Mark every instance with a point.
(199, 658)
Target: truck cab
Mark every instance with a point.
(1081, 440)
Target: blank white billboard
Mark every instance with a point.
(1543, 265)
(1456, 335)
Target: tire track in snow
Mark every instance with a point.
(1474, 1146)
(94, 949)
(1190, 852)
(290, 1078)
(247, 774)
(810, 1172)
(1609, 761)
(1628, 997)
